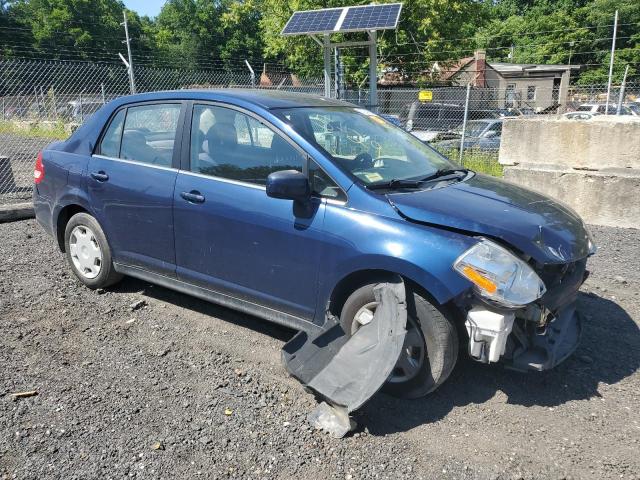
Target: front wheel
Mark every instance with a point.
(88, 252)
(430, 348)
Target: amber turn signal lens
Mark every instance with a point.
(479, 279)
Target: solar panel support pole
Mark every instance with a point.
(373, 72)
(326, 48)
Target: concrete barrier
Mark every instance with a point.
(606, 141)
(592, 166)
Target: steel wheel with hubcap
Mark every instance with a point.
(88, 252)
(85, 251)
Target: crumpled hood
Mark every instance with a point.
(540, 227)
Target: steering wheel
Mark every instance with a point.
(364, 160)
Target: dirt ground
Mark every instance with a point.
(138, 381)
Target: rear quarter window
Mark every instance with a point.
(110, 145)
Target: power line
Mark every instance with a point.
(527, 34)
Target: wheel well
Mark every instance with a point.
(63, 218)
(355, 280)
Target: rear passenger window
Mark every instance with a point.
(110, 145)
(149, 134)
(230, 144)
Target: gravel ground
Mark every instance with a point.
(139, 381)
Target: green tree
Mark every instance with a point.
(68, 29)
(565, 31)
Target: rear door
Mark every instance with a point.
(130, 183)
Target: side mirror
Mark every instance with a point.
(288, 185)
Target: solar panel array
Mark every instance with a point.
(347, 19)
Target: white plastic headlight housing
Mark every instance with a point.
(499, 276)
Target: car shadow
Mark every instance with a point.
(608, 353)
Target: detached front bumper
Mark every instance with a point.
(542, 348)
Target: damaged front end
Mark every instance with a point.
(537, 335)
(548, 331)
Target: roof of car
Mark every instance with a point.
(269, 99)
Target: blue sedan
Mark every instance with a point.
(294, 208)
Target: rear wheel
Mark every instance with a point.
(88, 252)
(430, 349)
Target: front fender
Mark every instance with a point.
(361, 241)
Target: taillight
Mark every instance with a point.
(38, 171)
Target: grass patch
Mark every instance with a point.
(53, 130)
(480, 161)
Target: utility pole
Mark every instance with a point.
(613, 51)
(132, 80)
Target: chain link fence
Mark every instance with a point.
(44, 101)
(466, 125)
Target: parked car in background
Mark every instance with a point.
(394, 119)
(600, 108)
(231, 196)
(426, 120)
(581, 115)
(634, 107)
(483, 134)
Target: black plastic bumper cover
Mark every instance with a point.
(550, 347)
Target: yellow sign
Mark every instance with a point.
(425, 95)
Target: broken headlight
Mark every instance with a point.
(498, 275)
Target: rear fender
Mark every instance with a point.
(74, 198)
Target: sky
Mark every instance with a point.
(150, 8)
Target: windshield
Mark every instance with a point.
(364, 144)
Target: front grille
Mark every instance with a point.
(563, 282)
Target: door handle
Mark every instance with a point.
(193, 196)
(100, 176)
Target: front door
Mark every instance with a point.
(230, 236)
(130, 183)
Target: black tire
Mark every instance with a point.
(107, 275)
(436, 330)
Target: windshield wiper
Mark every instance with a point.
(445, 172)
(395, 183)
(438, 175)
